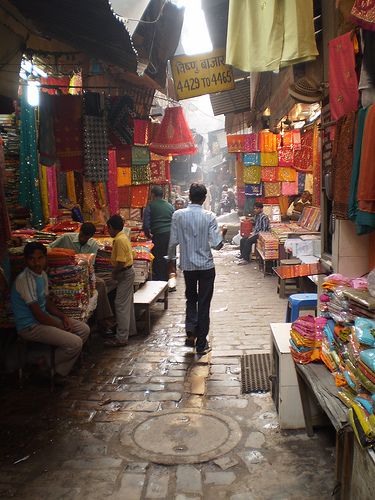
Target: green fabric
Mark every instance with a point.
(161, 216)
(29, 169)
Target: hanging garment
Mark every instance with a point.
(343, 82)
(89, 204)
(124, 197)
(251, 142)
(353, 202)
(141, 175)
(67, 112)
(303, 158)
(120, 115)
(269, 174)
(313, 181)
(140, 155)
(142, 132)
(112, 183)
(71, 187)
(254, 189)
(272, 189)
(251, 175)
(96, 148)
(4, 218)
(267, 142)
(159, 171)
(363, 14)
(139, 196)
(47, 146)
(287, 174)
(251, 159)
(286, 156)
(124, 176)
(269, 159)
(29, 194)
(52, 191)
(44, 192)
(268, 35)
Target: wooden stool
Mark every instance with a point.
(288, 285)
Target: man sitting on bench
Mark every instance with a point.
(36, 316)
(262, 224)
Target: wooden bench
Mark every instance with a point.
(148, 294)
(314, 380)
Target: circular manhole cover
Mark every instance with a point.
(185, 436)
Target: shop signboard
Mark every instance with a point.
(201, 74)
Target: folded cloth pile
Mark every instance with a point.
(306, 339)
(57, 257)
(68, 289)
(142, 250)
(268, 245)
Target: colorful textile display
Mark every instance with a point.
(289, 188)
(239, 174)
(44, 192)
(95, 148)
(267, 142)
(251, 159)
(286, 156)
(52, 191)
(174, 136)
(363, 14)
(343, 82)
(124, 176)
(306, 339)
(236, 143)
(112, 182)
(342, 159)
(120, 115)
(269, 159)
(29, 195)
(124, 197)
(160, 171)
(315, 177)
(251, 175)
(71, 188)
(303, 158)
(254, 189)
(4, 218)
(269, 174)
(268, 246)
(287, 174)
(67, 112)
(142, 132)
(47, 146)
(140, 155)
(366, 181)
(139, 196)
(272, 189)
(124, 156)
(140, 175)
(251, 143)
(266, 36)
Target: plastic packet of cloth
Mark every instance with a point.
(365, 331)
(368, 358)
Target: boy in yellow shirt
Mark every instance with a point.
(123, 273)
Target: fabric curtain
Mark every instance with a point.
(112, 183)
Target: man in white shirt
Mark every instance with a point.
(296, 207)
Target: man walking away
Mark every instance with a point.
(262, 224)
(123, 272)
(157, 220)
(196, 231)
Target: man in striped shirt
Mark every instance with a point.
(196, 231)
(262, 225)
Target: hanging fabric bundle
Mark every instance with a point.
(112, 183)
(52, 191)
(174, 136)
(70, 185)
(142, 132)
(44, 191)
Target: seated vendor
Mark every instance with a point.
(296, 207)
(261, 225)
(83, 242)
(36, 316)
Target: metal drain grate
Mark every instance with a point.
(255, 372)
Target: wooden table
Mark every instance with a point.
(314, 380)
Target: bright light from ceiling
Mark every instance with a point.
(33, 92)
(194, 36)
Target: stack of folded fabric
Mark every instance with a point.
(58, 257)
(268, 245)
(103, 260)
(306, 339)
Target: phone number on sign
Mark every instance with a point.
(191, 84)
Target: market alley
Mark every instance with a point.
(79, 442)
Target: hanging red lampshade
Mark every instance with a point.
(173, 136)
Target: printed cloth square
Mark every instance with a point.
(239, 173)
(289, 188)
(251, 142)
(140, 155)
(272, 189)
(95, 158)
(251, 159)
(287, 174)
(139, 196)
(159, 171)
(235, 143)
(124, 212)
(269, 159)
(292, 139)
(269, 174)
(286, 156)
(141, 175)
(124, 197)
(124, 176)
(124, 156)
(135, 214)
(251, 175)
(268, 142)
(120, 115)
(142, 132)
(303, 158)
(254, 189)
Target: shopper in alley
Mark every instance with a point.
(196, 231)
(36, 316)
(261, 225)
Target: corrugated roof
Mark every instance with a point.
(232, 101)
(87, 25)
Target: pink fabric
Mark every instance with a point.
(251, 143)
(286, 156)
(343, 82)
(289, 188)
(52, 191)
(112, 191)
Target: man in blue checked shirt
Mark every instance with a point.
(261, 225)
(196, 231)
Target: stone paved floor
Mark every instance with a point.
(72, 445)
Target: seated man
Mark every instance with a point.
(36, 316)
(296, 207)
(82, 242)
(261, 225)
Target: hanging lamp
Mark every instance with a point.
(173, 136)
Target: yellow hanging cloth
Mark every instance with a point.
(44, 192)
(70, 187)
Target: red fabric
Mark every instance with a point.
(343, 82)
(303, 159)
(363, 14)
(124, 197)
(4, 218)
(64, 81)
(124, 156)
(160, 171)
(174, 136)
(112, 191)
(269, 174)
(142, 132)
(286, 156)
(68, 128)
(139, 196)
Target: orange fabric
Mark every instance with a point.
(287, 174)
(124, 176)
(268, 142)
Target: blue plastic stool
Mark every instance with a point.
(299, 301)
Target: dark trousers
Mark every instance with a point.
(246, 244)
(159, 264)
(199, 288)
